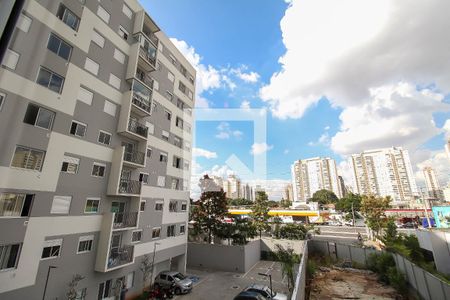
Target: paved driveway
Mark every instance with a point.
(212, 285)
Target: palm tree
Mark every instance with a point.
(288, 259)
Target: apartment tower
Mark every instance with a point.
(432, 184)
(95, 123)
(313, 174)
(384, 172)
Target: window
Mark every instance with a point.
(168, 115)
(9, 256)
(92, 205)
(142, 206)
(104, 138)
(177, 142)
(171, 77)
(170, 230)
(68, 17)
(183, 206)
(23, 23)
(127, 11)
(2, 100)
(169, 95)
(154, 106)
(59, 47)
(39, 117)
(149, 152)
(143, 177)
(182, 229)
(161, 181)
(156, 233)
(123, 33)
(179, 122)
(114, 81)
(159, 205)
(28, 158)
(70, 164)
(78, 129)
(155, 85)
(51, 249)
(163, 157)
(119, 56)
(98, 39)
(110, 108)
(11, 59)
(98, 170)
(190, 95)
(91, 66)
(182, 87)
(136, 236)
(15, 205)
(85, 96)
(61, 205)
(173, 206)
(191, 79)
(106, 290)
(85, 244)
(151, 128)
(187, 146)
(180, 104)
(103, 14)
(183, 70)
(50, 80)
(165, 135)
(176, 162)
(175, 183)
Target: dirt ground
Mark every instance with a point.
(349, 284)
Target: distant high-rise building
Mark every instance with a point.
(342, 185)
(232, 187)
(432, 184)
(247, 192)
(218, 180)
(313, 174)
(288, 192)
(446, 193)
(384, 172)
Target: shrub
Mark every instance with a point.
(293, 232)
(311, 268)
(397, 280)
(380, 264)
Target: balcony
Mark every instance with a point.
(120, 256)
(125, 220)
(134, 158)
(141, 99)
(129, 187)
(137, 128)
(147, 52)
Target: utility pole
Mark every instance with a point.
(46, 281)
(353, 214)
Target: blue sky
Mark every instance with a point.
(312, 69)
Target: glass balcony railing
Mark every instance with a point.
(142, 96)
(120, 256)
(137, 128)
(147, 49)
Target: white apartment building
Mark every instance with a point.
(432, 184)
(384, 172)
(313, 174)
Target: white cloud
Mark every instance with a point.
(440, 163)
(259, 148)
(324, 140)
(274, 187)
(249, 77)
(245, 104)
(199, 152)
(225, 132)
(326, 128)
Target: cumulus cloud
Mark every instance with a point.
(199, 152)
(245, 104)
(324, 140)
(439, 161)
(225, 132)
(259, 148)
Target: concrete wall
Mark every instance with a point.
(268, 244)
(222, 257)
(300, 282)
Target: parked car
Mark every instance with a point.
(165, 279)
(266, 292)
(246, 295)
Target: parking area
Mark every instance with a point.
(210, 285)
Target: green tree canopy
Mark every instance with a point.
(239, 202)
(260, 212)
(373, 209)
(324, 197)
(210, 209)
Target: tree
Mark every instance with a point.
(239, 202)
(324, 197)
(285, 203)
(272, 203)
(260, 212)
(390, 234)
(345, 204)
(293, 232)
(210, 209)
(373, 209)
(72, 293)
(244, 230)
(288, 259)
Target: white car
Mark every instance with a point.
(266, 292)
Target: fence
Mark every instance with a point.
(300, 281)
(428, 286)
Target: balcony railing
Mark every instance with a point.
(138, 128)
(128, 186)
(141, 96)
(148, 54)
(135, 157)
(120, 256)
(150, 36)
(142, 76)
(125, 220)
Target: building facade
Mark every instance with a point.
(95, 122)
(313, 174)
(384, 172)
(433, 187)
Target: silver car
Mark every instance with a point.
(266, 292)
(168, 278)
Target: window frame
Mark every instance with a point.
(158, 204)
(140, 236)
(76, 129)
(7, 258)
(61, 41)
(123, 33)
(64, 197)
(105, 11)
(2, 99)
(100, 132)
(95, 64)
(159, 233)
(85, 238)
(29, 150)
(37, 116)
(144, 202)
(57, 243)
(86, 205)
(182, 232)
(97, 164)
(20, 23)
(67, 10)
(13, 54)
(63, 79)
